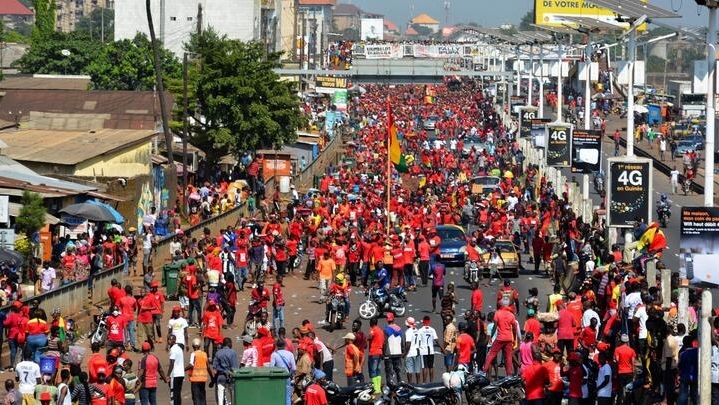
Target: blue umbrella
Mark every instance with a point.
(119, 219)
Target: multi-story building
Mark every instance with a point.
(315, 29)
(69, 12)
(176, 20)
(14, 12)
(347, 16)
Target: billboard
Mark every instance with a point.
(699, 244)
(371, 28)
(551, 13)
(537, 130)
(515, 103)
(586, 150)
(558, 138)
(526, 115)
(329, 84)
(629, 181)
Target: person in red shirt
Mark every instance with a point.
(211, 326)
(144, 316)
(397, 253)
(114, 293)
(265, 345)
(588, 335)
(506, 326)
(95, 362)
(128, 307)
(566, 325)
(532, 325)
(315, 394)
(624, 357)
(149, 369)
(376, 340)
(159, 301)
(511, 294)
(191, 284)
(555, 390)
(260, 295)
(477, 297)
(535, 377)
(575, 373)
(292, 246)
(116, 323)
(278, 304)
(465, 347)
(409, 251)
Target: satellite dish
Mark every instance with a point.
(65, 52)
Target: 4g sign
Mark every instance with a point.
(629, 184)
(559, 139)
(526, 115)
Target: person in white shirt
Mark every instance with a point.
(27, 374)
(604, 380)
(641, 317)
(588, 314)
(177, 326)
(146, 248)
(412, 359)
(674, 176)
(427, 341)
(176, 370)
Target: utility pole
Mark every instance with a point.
(199, 19)
(295, 29)
(160, 85)
(185, 129)
(302, 42)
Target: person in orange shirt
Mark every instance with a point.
(36, 330)
(211, 325)
(409, 251)
(376, 340)
(326, 268)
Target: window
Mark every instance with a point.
(173, 18)
(189, 18)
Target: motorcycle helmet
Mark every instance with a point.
(340, 278)
(664, 197)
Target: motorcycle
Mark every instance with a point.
(99, 320)
(471, 272)
(480, 391)
(336, 312)
(378, 299)
(357, 394)
(253, 318)
(599, 184)
(664, 214)
(425, 394)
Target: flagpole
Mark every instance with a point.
(389, 164)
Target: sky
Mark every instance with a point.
(493, 13)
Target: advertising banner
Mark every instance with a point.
(586, 150)
(629, 182)
(371, 28)
(437, 51)
(699, 245)
(384, 51)
(328, 84)
(558, 137)
(551, 13)
(276, 167)
(339, 99)
(538, 128)
(526, 115)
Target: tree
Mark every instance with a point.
(527, 21)
(47, 57)
(44, 20)
(127, 65)
(32, 214)
(92, 25)
(242, 102)
(422, 30)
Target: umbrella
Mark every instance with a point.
(92, 212)
(119, 219)
(640, 109)
(11, 256)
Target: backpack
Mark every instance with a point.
(591, 373)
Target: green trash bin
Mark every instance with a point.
(170, 279)
(260, 385)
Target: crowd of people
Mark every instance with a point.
(601, 335)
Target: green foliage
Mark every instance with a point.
(242, 103)
(92, 25)
(46, 57)
(128, 65)
(32, 213)
(44, 20)
(527, 21)
(422, 30)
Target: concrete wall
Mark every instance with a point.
(126, 163)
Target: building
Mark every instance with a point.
(347, 16)
(175, 21)
(13, 13)
(69, 12)
(315, 21)
(424, 20)
(287, 30)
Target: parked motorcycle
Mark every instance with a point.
(99, 321)
(379, 299)
(357, 394)
(425, 394)
(471, 272)
(336, 312)
(505, 391)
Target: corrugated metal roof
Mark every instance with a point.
(22, 82)
(14, 211)
(68, 147)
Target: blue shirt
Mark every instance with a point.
(688, 365)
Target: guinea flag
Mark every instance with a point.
(395, 151)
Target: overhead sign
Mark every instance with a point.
(586, 150)
(526, 115)
(438, 51)
(699, 244)
(371, 28)
(328, 84)
(558, 138)
(383, 51)
(551, 13)
(629, 184)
